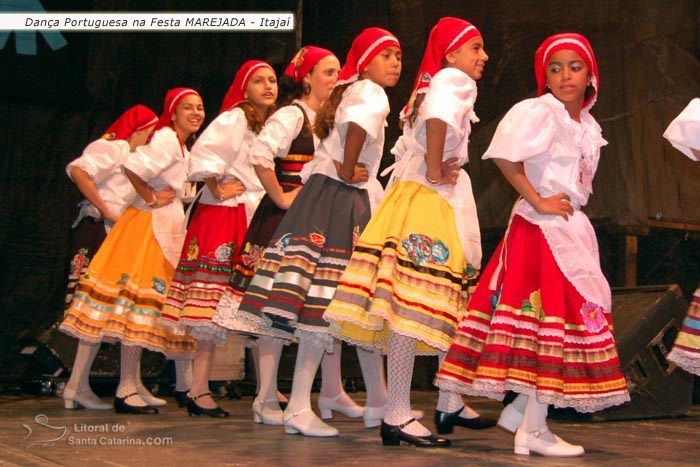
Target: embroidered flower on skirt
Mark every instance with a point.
(422, 249)
(193, 250)
(317, 239)
(251, 259)
(158, 285)
(282, 243)
(224, 252)
(593, 316)
(534, 305)
(79, 261)
(123, 279)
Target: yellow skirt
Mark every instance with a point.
(121, 296)
(407, 274)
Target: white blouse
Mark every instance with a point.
(102, 160)
(559, 155)
(222, 152)
(364, 103)
(450, 98)
(279, 132)
(684, 131)
(162, 163)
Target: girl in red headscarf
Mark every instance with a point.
(408, 278)
(285, 144)
(232, 192)
(122, 293)
(299, 270)
(539, 321)
(99, 177)
(684, 134)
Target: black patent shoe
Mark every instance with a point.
(181, 398)
(392, 435)
(445, 422)
(194, 410)
(120, 406)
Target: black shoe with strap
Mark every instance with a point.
(392, 435)
(446, 421)
(194, 409)
(120, 406)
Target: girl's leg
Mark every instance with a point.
(452, 411)
(145, 394)
(204, 353)
(533, 435)
(255, 352)
(266, 407)
(298, 416)
(77, 392)
(513, 413)
(402, 351)
(128, 399)
(333, 397)
(183, 381)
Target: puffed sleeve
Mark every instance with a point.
(100, 159)
(218, 146)
(684, 131)
(365, 104)
(277, 136)
(526, 131)
(450, 98)
(151, 160)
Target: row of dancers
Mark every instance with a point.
(295, 240)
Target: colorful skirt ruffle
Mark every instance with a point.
(86, 239)
(202, 274)
(300, 269)
(408, 275)
(686, 350)
(262, 227)
(121, 296)
(528, 330)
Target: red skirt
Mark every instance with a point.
(210, 250)
(528, 330)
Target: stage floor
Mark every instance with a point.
(171, 438)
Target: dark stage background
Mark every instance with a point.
(56, 102)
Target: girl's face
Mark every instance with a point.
(567, 78)
(322, 77)
(262, 89)
(189, 115)
(139, 138)
(470, 57)
(385, 68)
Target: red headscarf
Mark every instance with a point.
(566, 41)
(172, 99)
(364, 48)
(448, 35)
(304, 61)
(236, 93)
(134, 119)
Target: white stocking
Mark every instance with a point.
(402, 352)
(451, 402)
(129, 375)
(80, 375)
(255, 352)
(372, 365)
(268, 354)
(203, 355)
(331, 382)
(183, 375)
(536, 419)
(309, 354)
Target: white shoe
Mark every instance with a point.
(532, 442)
(342, 403)
(149, 398)
(510, 418)
(373, 416)
(307, 423)
(83, 399)
(266, 415)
